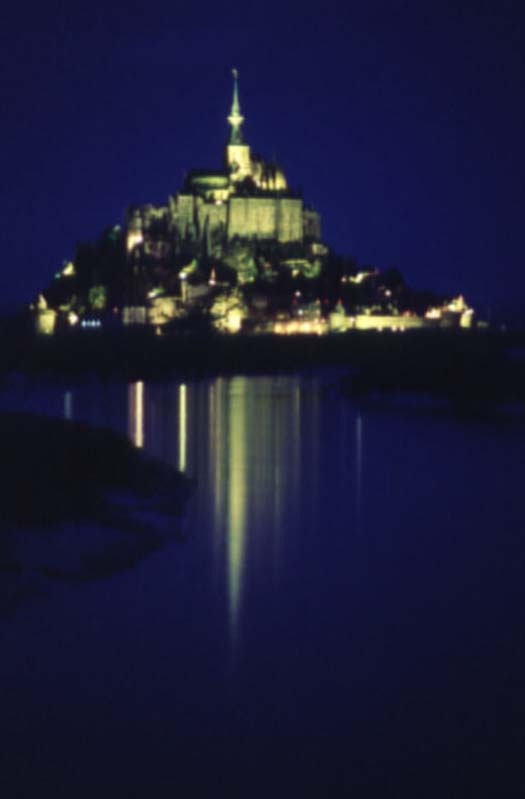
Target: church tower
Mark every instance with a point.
(238, 157)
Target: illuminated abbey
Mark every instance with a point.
(249, 199)
(235, 249)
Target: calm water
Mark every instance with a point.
(346, 614)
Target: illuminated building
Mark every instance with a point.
(195, 257)
(248, 199)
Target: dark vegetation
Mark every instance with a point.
(55, 471)
(78, 503)
(106, 277)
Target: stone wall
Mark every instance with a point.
(265, 218)
(290, 220)
(384, 322)
(191, 217)
(339, 322)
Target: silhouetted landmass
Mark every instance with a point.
(78, 502)
(425, 357)
(472, 374)
(473, 370)
(57, 470)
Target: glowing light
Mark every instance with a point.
(237, 499)
(91, 323)
(466, 318)
(301, 325)
(457, 305)
(136, 413)
(72, 318)
(45, 322)
(134, 238)
(359, 277)
(234, 321)
(183, 421)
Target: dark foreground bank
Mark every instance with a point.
(78, 501)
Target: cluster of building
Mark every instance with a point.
(236, 244)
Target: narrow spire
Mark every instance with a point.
(236, 118)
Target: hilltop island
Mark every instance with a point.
(233, 275)
(237, 249)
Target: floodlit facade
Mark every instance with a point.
(249, 198)
(236, 248)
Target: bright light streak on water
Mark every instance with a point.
(139, 414)
(183, 427)
(136, 413)
(353, 615)
(237, 500)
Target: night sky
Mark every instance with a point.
(402, 122)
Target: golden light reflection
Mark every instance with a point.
(217, 452)
(136, 413)
(237, 495)
(245, 446)
(183, 427)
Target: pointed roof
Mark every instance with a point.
(235, 118)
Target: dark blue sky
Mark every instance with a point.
(403, 123)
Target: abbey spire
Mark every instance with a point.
(235, 118)
(238, 158)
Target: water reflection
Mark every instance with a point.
(237, 495)
(241, 439)
(183, 427)
(136, 413)
(358, 468)
(335, 637)
(257, 448)
(68, 405)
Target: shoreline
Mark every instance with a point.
(474, 371)
(136, 353)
